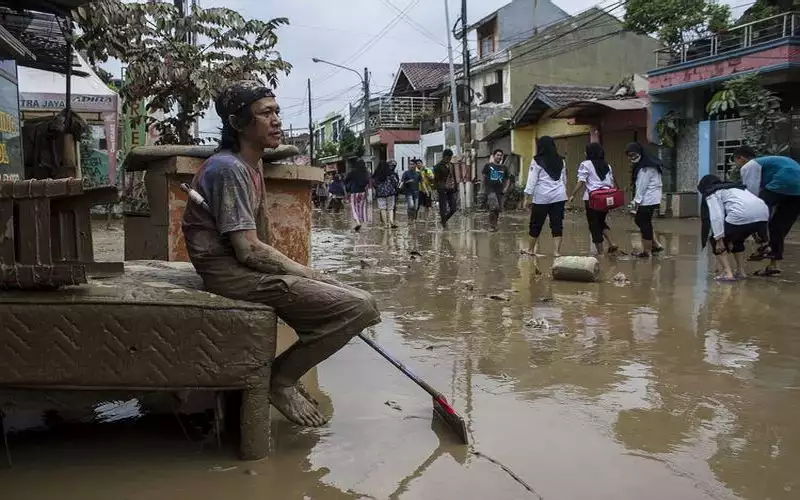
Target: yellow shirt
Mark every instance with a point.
(426, 183)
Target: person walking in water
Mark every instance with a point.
(356, 182)
(425, 189)
(595, 173)
(495, 180)
(547, 187)
(647, 179)
(729, 215)
(776, 180)
(226, 246)
(410, 183)
(444, 174)
(386, 181)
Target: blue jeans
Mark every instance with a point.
(412, 204)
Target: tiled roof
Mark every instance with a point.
(544, 97)
(426, 76)
(561, 95)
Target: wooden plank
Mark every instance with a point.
(6, 231)
(34, 231)
(37, 276)
(83, 235)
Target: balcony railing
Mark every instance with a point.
(748, 35)
(401, 112)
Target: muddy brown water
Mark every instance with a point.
(667, 386)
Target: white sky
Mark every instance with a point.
(343, 31)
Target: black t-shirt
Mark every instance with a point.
(495, 176)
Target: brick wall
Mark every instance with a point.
(765, 58)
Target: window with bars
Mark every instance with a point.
(728, 137)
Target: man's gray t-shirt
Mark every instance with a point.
(234, 191)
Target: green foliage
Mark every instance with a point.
(669, 128)
(350, 145)
(167, 71)
(328, 149)
(722, 104)
(675, 22)
(758, 107)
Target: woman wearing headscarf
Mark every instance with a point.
(547, 187)
(729, 215)
(595, 173)
(647, 179)
(386, 181)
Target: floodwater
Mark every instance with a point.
(664, 385)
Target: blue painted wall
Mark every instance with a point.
(704, 151)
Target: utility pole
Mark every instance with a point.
(310, 126)
(367, 143)
(462, 188)
(467, 75)
(468, 101)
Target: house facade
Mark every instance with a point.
(684, 81)
(590, 49)
(396, 119)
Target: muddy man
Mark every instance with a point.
(227, 247)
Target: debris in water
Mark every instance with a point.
(393, 405)
(538, 323)
(218, 468)
(546, 299)
(251, 472)
(414, 253)
(621, 280)
(502, 298)
(365, 263)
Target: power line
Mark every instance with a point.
(419, 28)
(364, 48)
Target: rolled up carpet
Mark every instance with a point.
(576, 268)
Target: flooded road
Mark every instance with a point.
(664, 386)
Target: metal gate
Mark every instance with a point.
(726, 137)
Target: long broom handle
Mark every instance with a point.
(198, 198)
(400, 366)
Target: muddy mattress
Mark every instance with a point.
(151, 328)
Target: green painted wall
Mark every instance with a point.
(579, 58)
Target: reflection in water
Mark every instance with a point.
(664, 386)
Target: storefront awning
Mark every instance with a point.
(599, 107)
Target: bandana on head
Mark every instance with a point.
(237, 95)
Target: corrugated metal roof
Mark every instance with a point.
(598, 106)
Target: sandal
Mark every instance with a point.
(767, 272)
(641, 255)
(725, 279)
(760, 254)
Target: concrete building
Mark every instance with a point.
(685, 79)
(589, 49)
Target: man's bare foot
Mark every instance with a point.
(304, 391)
(295, 407)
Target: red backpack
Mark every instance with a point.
(603, 200)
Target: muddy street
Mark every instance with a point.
(658, 384)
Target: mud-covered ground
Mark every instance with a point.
(659, 385)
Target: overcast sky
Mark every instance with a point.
(345, 32)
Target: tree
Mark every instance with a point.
(351, 144)
(165, 70)
(676, 22)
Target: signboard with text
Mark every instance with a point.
(30, 101)
(11, 164)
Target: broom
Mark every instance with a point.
(440, 405)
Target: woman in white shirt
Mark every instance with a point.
(595, 173)
(547, 187)
(647, 179)
(730, 214)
